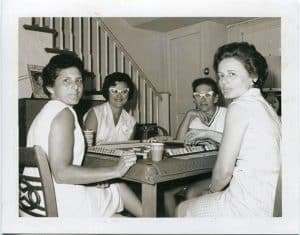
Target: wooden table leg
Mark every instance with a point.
(149, 200)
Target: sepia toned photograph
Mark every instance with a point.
(193, 117)
(149, 122)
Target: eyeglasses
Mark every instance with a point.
(198, 95)
(116, 91)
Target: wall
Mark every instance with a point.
(145, 47)
(265, 34)
(149, 49)
(148, 52)
(31, 51)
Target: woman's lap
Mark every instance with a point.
(206, 205)
(89, 201)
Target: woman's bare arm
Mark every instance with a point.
(131, 137)
(236, 123)
(214, 135)
(184, 125)
(61, 143)
(91, 122)
(194, 134)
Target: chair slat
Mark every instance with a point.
(36, 193)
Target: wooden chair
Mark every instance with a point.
(36, 194)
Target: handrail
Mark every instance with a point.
(103, 57)
(128, 55)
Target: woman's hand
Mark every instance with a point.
(195, 134)
(124, 164)
(189, 116)
(194, 113)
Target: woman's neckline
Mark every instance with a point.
(253, 91)
(119, 113)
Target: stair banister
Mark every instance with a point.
(102, 53)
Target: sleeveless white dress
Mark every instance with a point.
(107, 131)
(73, 200)
(251, 191)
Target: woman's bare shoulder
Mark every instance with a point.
(64, 118)
(237, 112)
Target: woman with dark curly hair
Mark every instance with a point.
(246, 172)
(57, 131)
(110, 120)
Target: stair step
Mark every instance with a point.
(40, 29)
(59, 51)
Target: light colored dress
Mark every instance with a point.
(251, 191)
(107, 131)
(73, 200)
(215, 124)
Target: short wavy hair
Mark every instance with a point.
(111, 79)
(246, 53)
(206, 81)
(55, 65)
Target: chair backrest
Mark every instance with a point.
(29, 108)
(36, 193)
(277, 212)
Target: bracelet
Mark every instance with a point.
(210, 190)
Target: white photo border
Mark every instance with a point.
(288, 12)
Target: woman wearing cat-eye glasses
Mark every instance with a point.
(110, 120)
(112, 123)
(207, 120)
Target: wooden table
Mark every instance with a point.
(149, 173)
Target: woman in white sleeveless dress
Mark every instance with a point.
(57, 131)
(110, 121)
(246, 172)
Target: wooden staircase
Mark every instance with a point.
(102, 54)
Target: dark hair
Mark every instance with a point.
(36, 75)
(111, 79)
(213, 85)
(247, 54)
(207, 81)
(55, 65)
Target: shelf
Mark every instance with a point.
(39, 29)
(267, 89)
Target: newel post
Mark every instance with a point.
(164, 111)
